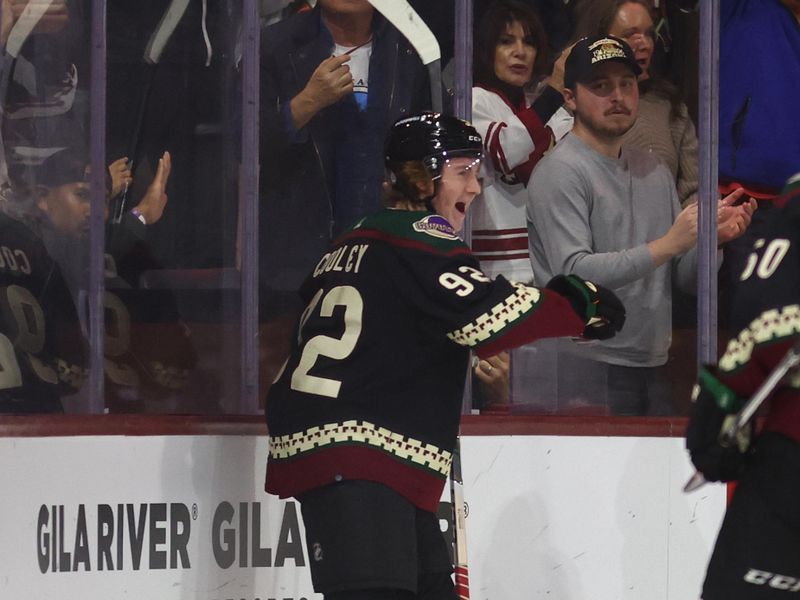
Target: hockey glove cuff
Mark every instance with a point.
(713, 411)
(599, 307)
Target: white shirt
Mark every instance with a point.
(359, 68)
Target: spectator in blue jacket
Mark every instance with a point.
(333, 80)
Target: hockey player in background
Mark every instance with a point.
(43, 352)
(757, 553)
(364, 415)
(148, 351)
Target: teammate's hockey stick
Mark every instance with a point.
(30, 17)
(400, 14)
(152, 56)
(733, 427)
(405, 19)
(459, 525)
(17, 36)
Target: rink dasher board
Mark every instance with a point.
(557, 517)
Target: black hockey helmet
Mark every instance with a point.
(431, 138)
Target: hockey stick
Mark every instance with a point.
(30, 17)
(17, 36)
(731, 429)
(405, 19)
(152, 56)
(459, 525)
(790, 360)
(400, 14)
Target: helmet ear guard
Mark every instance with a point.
(434, 166)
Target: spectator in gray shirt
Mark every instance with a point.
(610, 213)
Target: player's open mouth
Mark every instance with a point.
(461, 207)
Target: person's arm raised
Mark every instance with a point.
(329, 82)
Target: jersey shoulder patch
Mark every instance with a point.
(427, 231)
(435, 226)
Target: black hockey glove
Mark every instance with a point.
(599, 307)
(715, 405)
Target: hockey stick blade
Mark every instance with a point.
(728, 435)
(410, 24)
(743, 417)
(405, 19)
(695, 482)
(30, 17)
(163, 32)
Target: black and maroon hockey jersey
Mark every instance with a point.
(43, 353)
(766, 313)
(373, 386)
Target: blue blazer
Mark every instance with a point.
(303, 172)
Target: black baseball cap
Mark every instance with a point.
(588, 53)
(63, 167)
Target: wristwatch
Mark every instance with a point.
(135, 212)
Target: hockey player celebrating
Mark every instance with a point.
(364, 415)
(757, 553)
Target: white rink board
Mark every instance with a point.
(586, 518)
(555, 517)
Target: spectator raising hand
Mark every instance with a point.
(151, 206)
(330, 82)
(121, 177)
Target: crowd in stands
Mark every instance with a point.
(586, 170)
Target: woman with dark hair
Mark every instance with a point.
(663, 126)
(510, 56)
